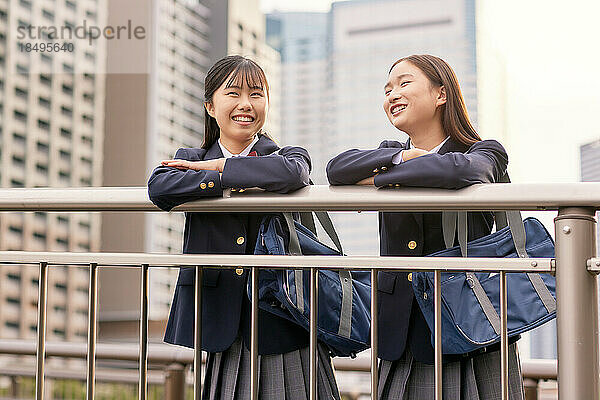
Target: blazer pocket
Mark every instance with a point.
(210, 276)
(386, 282)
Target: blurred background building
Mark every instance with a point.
(51, 134)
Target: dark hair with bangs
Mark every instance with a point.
(455, 119)
(240, 70)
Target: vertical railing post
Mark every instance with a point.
(198, 334)
(374, 337)
(503, 336)
(175, 382)
(91, 350)
(254, 381)
(314, 305)
(437, 305)
(577, 304)
(143, 387)
(41, 330)
(531, 388)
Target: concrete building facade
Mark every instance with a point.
(51, 131)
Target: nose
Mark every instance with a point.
(394, 95)
(244, 103)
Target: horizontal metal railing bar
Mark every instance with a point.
(104, 375)
(268, 261)
(157, 353)
(513, 196)
(166, 354)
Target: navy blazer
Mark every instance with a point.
(454, 166)
(225, 305)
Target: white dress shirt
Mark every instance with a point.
(243, 153)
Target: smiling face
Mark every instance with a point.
(240, 107)
(411, 101)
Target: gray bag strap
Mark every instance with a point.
(345, 326)
(484, 301)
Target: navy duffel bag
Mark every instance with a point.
(471, 300)
(344, 296)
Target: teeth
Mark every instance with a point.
(398, 108)
(243, 119)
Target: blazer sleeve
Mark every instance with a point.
(484, 162)
(355, 165)
(282, 172)
(169, 187)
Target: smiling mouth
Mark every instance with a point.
(243, 119)
(394, 110)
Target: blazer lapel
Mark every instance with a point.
(264, 145)
(214, 152)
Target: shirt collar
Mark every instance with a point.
(434, 150)
(243, 153)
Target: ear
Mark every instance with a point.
(210, 108)
(441, 99)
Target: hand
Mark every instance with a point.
(367, 181)
(211, 165)
(413, 153)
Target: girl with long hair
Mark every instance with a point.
(423, 99)
(235, 155)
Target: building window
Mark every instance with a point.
(16, 183)
(67, 67)
(46, 58)
(17, 230)
(39, 236)
(48, 14)
(43, 147)
(66, 133)
(19, 138)
(88, 119)
(66, 111)
(46, 79)
(21, 116)
(65, 155)
(71, 4)
(22, 93)
(18, 161)
(65, 175)
(43, 124)
(67, 89)
(44, 102)
(42, 169)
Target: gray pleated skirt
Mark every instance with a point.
(476, 378)
(281, 376)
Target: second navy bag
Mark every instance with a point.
(471, 300)
(344, 297)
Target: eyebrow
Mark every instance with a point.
(399, 78)
(240, 88)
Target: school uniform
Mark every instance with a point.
(282, 345)
(404, 337)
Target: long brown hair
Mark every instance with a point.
(241, 69)
(455, 119)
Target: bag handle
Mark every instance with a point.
(513, 219)
(345, 326)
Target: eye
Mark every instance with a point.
(403, 84)
(387, 92)
(232, 93)
(257, 94)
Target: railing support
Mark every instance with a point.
(577, 304)
(531, 388)
(41, 330)
(91, 350)
(143, 386)
(175, 382)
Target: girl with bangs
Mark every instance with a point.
(236, 154)
(423, 99)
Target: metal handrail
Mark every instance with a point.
(575, 224)
(481, 197)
